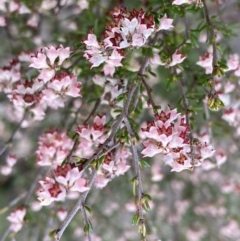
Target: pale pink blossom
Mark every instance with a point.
(50, 191)
(45, 61)
(62, 214)
(80, 185)
(11, 160)
(237, 71)
(3, 21)
(205, 61)
(233, 62)
(177, 58)
(167, 134)
(101, 181)
(16, 219)
(6, 170)
(33, 21)
(165, 23)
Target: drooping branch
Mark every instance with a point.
(139, 185)
(105, 146)
(149, 93)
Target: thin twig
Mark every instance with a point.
(207, 113)
(33, 185)
(76, 141)
(10, 140)
(149, 93)
(86, 221)
(212, 40)
(187, 29)
(136, 166)
(97, 103)
(5, 234)
(13, 202)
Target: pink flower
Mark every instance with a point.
(11, 160)
(177, 58)
(151, 148)
(6, 170)
(80, 185)
(121, 167)
(67, 175)
(52, 54)
(61, 214)
(50, 191)
(178, 161)
(221, 157)
(39, 62)
(206, 151)
(91, 41)
(16, 218)
(45, 61)
(3, 21)
(237, 71)
(233, 62)
(98, 127)
(115, 59)
(138, 40)
(165, 23)
(101, 181)
(205, 61)
(108, 70)
(63, 53)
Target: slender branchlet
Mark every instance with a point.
(8, 143)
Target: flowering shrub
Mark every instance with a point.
(96, 97)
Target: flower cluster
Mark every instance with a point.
(112, 88)
(113, 164)
(127, 30)
(53, 148)
(49, 89)
(168, 134)
(9, 75)
(49, 60)
(16, 218)
(66, 182)
(90, 137)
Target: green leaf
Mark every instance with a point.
(146, 205)
(135, 219)
(88, 227)
(194, 35)
(223, 64)
(147, 196)
(53, 234)
(121, 97)
(88, 209)
(99, 162)
(143, 163)
(134, 183)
